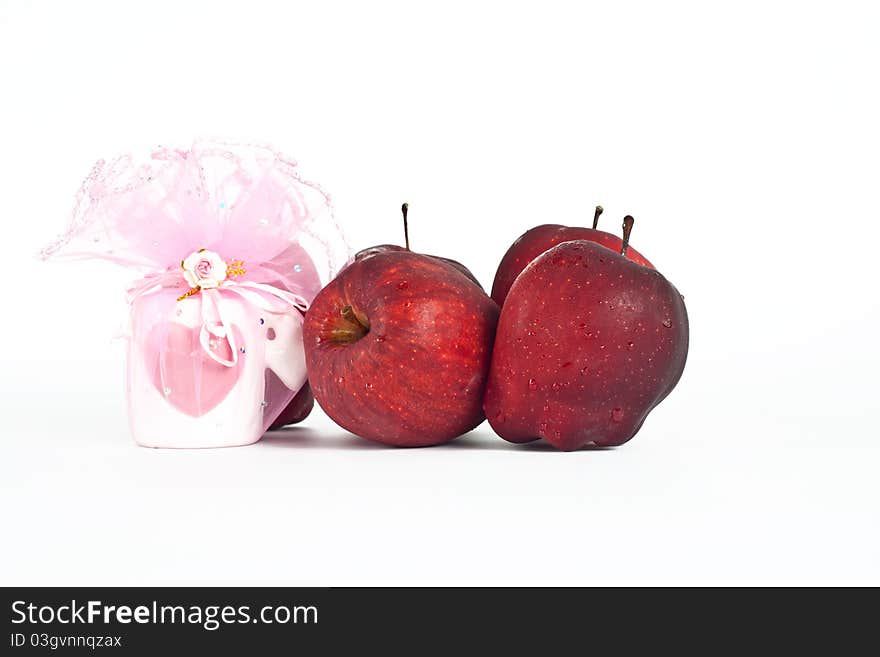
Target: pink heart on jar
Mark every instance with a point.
(184, 374)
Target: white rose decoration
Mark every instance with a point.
(204, 269)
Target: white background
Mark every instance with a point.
(743, 139)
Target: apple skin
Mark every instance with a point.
(297, 410)
(408, 366)
(384, 248)
(587, 344)
(534, 242)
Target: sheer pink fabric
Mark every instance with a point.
(217, 367)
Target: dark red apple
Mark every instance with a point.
(297, 410)
(540, 238)
(588, 343)
(398, 348)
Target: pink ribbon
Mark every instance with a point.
(214, 325)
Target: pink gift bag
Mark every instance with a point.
(232, 246)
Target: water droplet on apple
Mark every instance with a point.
(402, 285)
(630, 345)
(667, 323)
(340, 380)
(555, 385)
(407, 304)
(617, 414)
(533, 385)
(368, 386)
(380, 338)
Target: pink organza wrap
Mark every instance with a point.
(212, 366)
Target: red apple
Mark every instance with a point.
(398, 348)
(540, 238)
(588, 343)
(297, 410)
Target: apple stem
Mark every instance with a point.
(405, 210)
(628, 222)
(348, 314)
(356, 329)
(596, 215)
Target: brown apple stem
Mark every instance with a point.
(348, 314)
(627, 230)
(596, 215)
(355, 327)
(405, 210)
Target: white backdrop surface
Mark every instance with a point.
(743, 139)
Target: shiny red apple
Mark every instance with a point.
(540, 238)
(588, 343)
(398, 348)
(297, 410)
